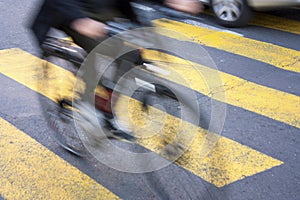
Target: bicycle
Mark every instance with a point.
(147, 78)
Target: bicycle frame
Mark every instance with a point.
(143, 75)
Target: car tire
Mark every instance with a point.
(235, 13)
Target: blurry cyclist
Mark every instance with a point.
(84, 21)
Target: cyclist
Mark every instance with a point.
(83, 20)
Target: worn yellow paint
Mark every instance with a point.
(54, 84)
(273, 22)
(275, 55)
(263, 100)
(277, 23)
(239, 92)
(31, 171)
(229, 161)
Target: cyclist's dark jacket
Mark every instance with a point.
(57, 13)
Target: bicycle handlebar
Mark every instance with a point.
(156, 9)
(115, 28)
(60, 48)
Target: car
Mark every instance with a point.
(237, 13)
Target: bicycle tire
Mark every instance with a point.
(174, 148)
(181, 109)
(164, 98)
(57, 106)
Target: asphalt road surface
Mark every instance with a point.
(256, 157)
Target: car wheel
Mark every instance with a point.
(231, 13)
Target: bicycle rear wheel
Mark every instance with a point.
(160, 112)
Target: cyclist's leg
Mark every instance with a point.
(89, 77)
(123, 64)
(88, 44)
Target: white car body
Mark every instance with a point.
(266, 4)
(269, 4)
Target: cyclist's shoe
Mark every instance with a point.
(119, 125)
(120, 136)
(118, 133)
(65, 109)
(90, 125)
(89, 121)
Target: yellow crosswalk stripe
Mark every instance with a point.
(228, 162)
(239, 92)
(30, 171)
(277, 23)
(273, 22)
(275, 55)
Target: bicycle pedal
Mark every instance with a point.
(174, 150)
(66, 113)
(74, 150)
(121, 136)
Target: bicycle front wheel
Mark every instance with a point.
(57, 79)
